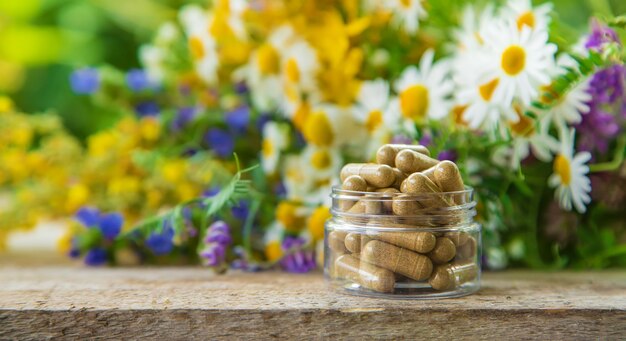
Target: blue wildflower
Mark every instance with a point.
(280, 190)
(161, 243)
(96, 256)
(211, 192)
(85, 81)
(220, 141)
(137, 80)
(262, 120)
(241, 88)
(88, 216)
(111, 225)
(241, 210)
(239, 119)
(147, 108)
(74, 253)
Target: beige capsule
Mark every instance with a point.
(458, 237)
(379, 176)
(400, 177)
(387, 199)
(443, 251)
(448, 177)
(386, 154)
(367, 275)
(405, 205)
(354, 183)
(468, 249)
(336, 241)
(410, 161)
(450, 276)
(421, 242)
(354, 241)
(420, 184)
(397, 259)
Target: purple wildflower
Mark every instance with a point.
(111, 224)
(297, 260)
(147, 108)
(600, 35)
(401, 139)
(85, 81)
(426, 139)
(96, 256)
(183, 117)
(238, 119)
(88, 216)
(280, 190)
(447, 155)
(262, 120)
(211, 192)
(220, 141)
(241, 88)
(213, 254)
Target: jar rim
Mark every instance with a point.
(338, 193)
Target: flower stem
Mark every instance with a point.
(617, 159)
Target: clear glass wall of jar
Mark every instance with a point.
(403, 246)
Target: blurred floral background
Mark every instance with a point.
(210, 132)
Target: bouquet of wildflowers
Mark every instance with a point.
(299, 88)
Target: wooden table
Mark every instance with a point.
(191, 303)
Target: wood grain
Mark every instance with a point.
(190, 303)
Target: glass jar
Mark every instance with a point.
(391, 244)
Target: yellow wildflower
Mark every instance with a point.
(273, 250)
(77, 196)
(316, 221)
(287, 213)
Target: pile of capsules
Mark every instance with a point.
(397, 223)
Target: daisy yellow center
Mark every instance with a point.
(405, 3)
(292, 71)
(457, 114)
(318, 130)
(563, 169)
(320, 159)
(524, 126)
(197, 50)
(374, 120)
(273, 251)
(286, 213)
(267, 148)
(486, 90)
(414, 102)
(513, 60)
(526, 18)
(267, 58)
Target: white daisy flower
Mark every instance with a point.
(469, 36)
(153, 60)
(297, 177)
(520, 60)
(201, 44)
(300, 65)
(570, 175)
(528, 136)
(275, 140)
(481, 110)
(373, 102)
(523, 14)
(407, 13)
(325, 162)
(331, 126)
(423, 93)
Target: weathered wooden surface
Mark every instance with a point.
(191, 303)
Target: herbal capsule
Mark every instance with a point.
(448, 177)
(421, 242)
(405, 205)
(367, 275)
(397, 259)
(450, 276)
(458, 238)
(379, 176)
(410, 161)
(400, 176)
(388, 200)
(468, 249)
(443, 251)
(354, 183)
(418, 183)
(354, 241)
(386, 155)
(336, 241)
